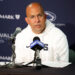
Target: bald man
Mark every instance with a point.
(55, 41)
(36, 17)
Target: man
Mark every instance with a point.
(56, 45)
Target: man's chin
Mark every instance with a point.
(37, 31)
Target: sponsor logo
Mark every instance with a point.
(10, 17)
(50, 15)
(4, 37)
(60, 24)
(17, 16)
(5, 58)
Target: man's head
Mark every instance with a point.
(35, 17)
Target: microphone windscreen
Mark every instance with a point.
(36, 38)
(18, 29)
(36, 44)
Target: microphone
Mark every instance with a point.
(36, 44)
(36, 38)
(18, 29)
(12, 38)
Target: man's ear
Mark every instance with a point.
(45, 16)
(26, 19)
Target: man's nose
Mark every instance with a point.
(37, 19)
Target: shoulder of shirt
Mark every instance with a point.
(55, 30)
(59, 32)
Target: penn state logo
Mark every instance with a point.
(17, 16)
(50, 15)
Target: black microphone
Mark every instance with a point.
(36, 44)
(36, 38)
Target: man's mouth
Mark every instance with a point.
(37, 26)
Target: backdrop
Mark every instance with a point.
(12, 15)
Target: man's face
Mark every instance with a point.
(36, 18)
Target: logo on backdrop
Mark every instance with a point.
(17, 16)
(50, 15)
(4, 37)
(5, 58)
(10, 17)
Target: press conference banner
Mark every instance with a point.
(12, 15)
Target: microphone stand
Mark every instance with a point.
(12, 63)
(37, 60)
(13, 55)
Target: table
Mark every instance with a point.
(68, 70)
